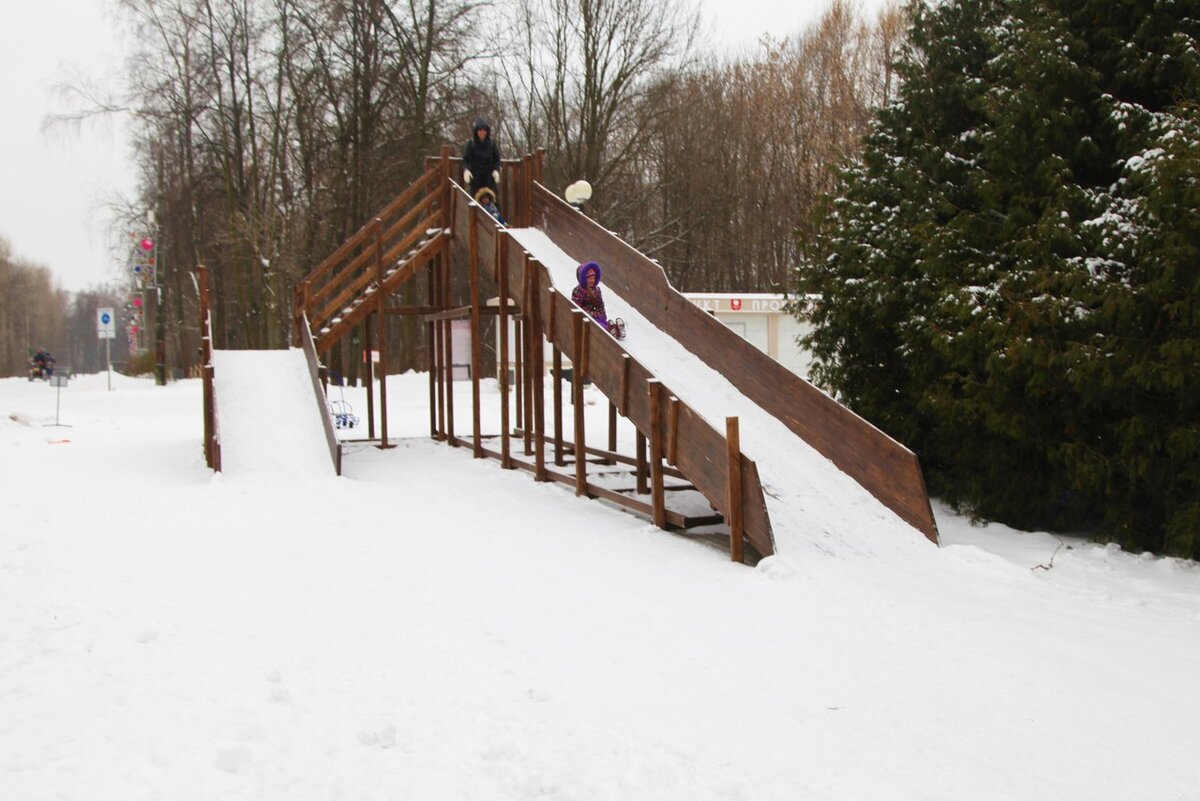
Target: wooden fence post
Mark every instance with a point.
(577, 358)
(737, 532)
(657, 493)
(476, 352)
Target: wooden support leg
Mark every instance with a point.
(502, 276)
(519, 371)
(737, 533)
(577, 400)
(370, 377)
(642, 465)
(657, 496)
(612, 431)
(476, 346)
(558, 401)
(383, 352)
(432, 358)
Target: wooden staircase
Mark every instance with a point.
(407, 235)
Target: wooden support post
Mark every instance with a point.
(577, 341)
(626, 360)
(642, 465)
(612, 430)
(371, 373)
(448, 367)
(737, 533)
(502, 276)
(432, 356)
(530, 349)
(585, 355)
(379, 296)
(672, 429)
(558, 401)
(439, 347)
(657, 496)
(519, 369)
(537, 358)
(476, 353)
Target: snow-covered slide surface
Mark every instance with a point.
(267, 416)
(812, 504)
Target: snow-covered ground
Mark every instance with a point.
(429, 626)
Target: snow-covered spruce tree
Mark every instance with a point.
(1003, 322)
(869, 272)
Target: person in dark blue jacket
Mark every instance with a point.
(481, 158)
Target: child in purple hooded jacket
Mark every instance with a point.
(588, 297)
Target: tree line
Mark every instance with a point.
(36, 314)
(266, 133)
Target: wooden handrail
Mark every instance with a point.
(360, 235)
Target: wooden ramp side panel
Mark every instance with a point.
(702, 451)
(883, 467)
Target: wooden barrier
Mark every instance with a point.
(688, 440)
(884, 467)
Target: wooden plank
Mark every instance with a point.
(476, 352)
(737, 548)
(881, 465)
(502, 275)
(657, 500)
(577, 329)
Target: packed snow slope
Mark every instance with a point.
(429, 626)
(267, 414)
(812, 504)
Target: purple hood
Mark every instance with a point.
(582, 270)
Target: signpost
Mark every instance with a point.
(58, 380)
(106, 329)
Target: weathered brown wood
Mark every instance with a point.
(557, 369)
(368, 335)
(439, 346)
(330, 334)
(672, 429)
(359, 236)
(582, 363)
(519, 370)
(626, 360)
(352, 282)
(502, 275)
(612, 428)
(431, 356)
(657, 499)
(381, 297)
(577, 354)
(882, 466)
(476, 352)
(537, 356)
(737, 546)
(643, 464)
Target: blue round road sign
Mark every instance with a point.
(106, 318)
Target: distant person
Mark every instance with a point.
(587, 296)
(486, 199)
(481, 159)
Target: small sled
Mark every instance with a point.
(343, 414)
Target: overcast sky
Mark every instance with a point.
(54, 186)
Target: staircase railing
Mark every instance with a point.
(386, 250)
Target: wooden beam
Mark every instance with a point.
(502, 278)
(578, 345)
(656, 454)
(476, 352)
(737, 534)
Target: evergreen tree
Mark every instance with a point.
(1004, 281)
